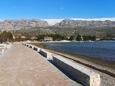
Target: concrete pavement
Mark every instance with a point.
(21, 66)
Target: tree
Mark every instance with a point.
(9, 36)
(40, 37)
(87, 38)
(78, 38)
(71, 38)
(93, 38)
(6, 36)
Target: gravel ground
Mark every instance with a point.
(106, 80)
(21, 66)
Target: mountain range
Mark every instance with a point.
(84, 23)
(73, 22)
(55, 21)
(22, 24)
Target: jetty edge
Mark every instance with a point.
(75, 71)
(22, 66)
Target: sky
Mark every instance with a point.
(56, 9)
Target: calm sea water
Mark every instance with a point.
(98, 50)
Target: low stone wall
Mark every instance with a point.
(3, 47)
(77, 72)
(73, 70)
(43, 53)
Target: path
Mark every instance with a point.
(21, 66)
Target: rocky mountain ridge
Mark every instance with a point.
(33, 23)
(84, 23)
(21, 24)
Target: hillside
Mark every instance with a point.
(21, 24)
(84, 23)
(63, 23)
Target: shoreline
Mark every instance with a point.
(67, 41)
(107, 74)
(87, 63)
(106, 64)
(103, 65)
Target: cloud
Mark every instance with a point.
(53, 21)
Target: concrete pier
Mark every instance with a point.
(75, 71)
(22, 66)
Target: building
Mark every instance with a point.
(23, 37)
(48, 39)
(33, 38)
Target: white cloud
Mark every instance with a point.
(53, 21)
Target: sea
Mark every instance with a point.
(94, 50)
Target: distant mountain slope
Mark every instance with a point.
(33, 23)
(21, 24)
(75, 23)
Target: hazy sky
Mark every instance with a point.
(16, 9)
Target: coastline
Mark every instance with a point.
(108, 65)
(86, 61)
(106, 79)
(67, 41)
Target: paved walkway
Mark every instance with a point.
(21, 66)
